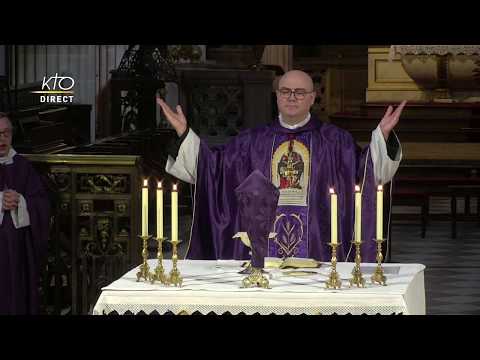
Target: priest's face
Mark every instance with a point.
(295, 96)
(5, 136)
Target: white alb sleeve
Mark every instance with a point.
(384, 168)
(184, 167)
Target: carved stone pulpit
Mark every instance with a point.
(452, 72)
(424, 73)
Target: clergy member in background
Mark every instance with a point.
(24, 222)
(300, 155)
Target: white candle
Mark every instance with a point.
(380, 212)
(174, 213)
(145, 208)
(358, 214)
(159, 210)
(333, 213)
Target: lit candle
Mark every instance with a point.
(380, 212)
(174, 213)
(333, 220)
(145, 208)
(358, 214)
(159, 210)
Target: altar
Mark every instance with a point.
(214, 286)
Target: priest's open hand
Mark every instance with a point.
(176, 119)
(10, 200)
(390, 119)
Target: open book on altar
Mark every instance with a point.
(291, 263)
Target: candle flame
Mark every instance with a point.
(174, 187)
(357, 188)
(159, 184)
(380, 188)
(332, 191)
(145, 182)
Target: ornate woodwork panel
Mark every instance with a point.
(95, 222)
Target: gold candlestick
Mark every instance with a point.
(334, 281)
(175, 277)
(144, 270)
(159, 272)
(378, 276)
(357, 278)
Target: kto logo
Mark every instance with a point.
(57, 89)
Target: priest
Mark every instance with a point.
(303, 157)
(24, 223)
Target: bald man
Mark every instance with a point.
(303, 157)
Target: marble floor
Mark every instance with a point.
(452, 275)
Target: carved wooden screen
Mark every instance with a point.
(222, 102)
(94, 227)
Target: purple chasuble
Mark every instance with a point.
(23, 251)
(303, 163)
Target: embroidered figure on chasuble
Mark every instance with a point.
(291, 174)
